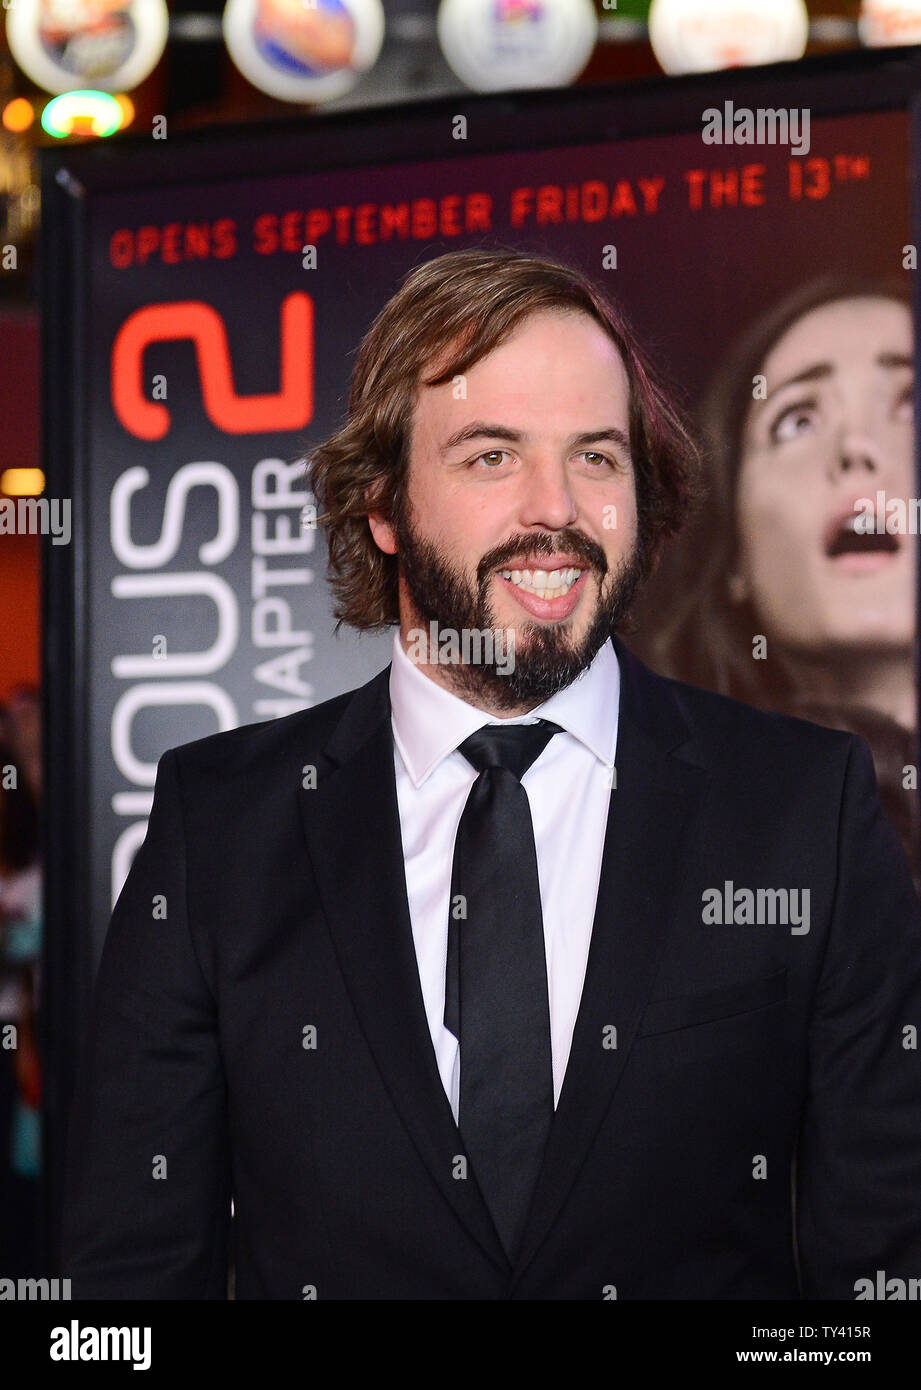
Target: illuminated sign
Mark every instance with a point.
(304, 50)
(496, 45)
(703, 35)
(64, 45)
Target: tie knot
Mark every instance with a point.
(513, 746)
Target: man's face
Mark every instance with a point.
(520, 474)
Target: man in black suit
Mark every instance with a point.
(519, 972)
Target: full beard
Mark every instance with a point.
(546, 659)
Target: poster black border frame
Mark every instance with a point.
(856, 81)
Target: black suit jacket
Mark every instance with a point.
(755, 1110)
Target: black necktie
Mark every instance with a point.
(496, 1001)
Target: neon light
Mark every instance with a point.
(22, 482)
(82, 113)
(127, 108)
(18, 114)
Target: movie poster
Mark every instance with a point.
(770, 285)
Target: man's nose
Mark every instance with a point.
(547, 497)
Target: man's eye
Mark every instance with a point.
(493, 458)
(792, 421)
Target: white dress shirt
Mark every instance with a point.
(569, 792)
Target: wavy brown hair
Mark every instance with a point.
(448, 313)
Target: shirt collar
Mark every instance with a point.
(429, 722)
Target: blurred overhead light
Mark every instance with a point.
(22, 482)
(82, 113)
(884, 23)
(63, 45)
(304, 50)
(703, 35)
(18, 114)
(497, 45)
(127, 109)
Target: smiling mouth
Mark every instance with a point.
(543, 583)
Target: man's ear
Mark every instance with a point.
(382, 528)
(383, 533)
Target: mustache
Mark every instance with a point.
(564, 543)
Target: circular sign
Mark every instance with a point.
(703, 35)
(65, 45)
(494, 45)
(884, 23)
(304, 50)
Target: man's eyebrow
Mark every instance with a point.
(825, 369)
(482, 429)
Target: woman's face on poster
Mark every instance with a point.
(835, 426)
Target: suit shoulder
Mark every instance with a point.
(264, 743)
(738, 726)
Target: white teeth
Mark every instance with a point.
(544, 583)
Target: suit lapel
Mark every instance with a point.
(650, 818)
(352, 826)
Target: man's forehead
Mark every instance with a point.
(477, 375)
(456, 397)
